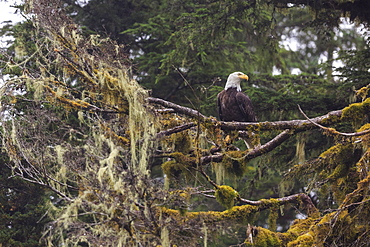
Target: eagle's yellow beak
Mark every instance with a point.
(243, 77)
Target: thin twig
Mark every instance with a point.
(332, 130)
(174, 130)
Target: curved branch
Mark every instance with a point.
(258, 151)
(272, 144)
(332, 130)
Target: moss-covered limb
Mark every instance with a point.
(312, 232)
(237, 214)
(183, 159)
(270, 145)
(215, 221)
(77, 68)
(349, 222)
(299, 234)
(356, 112)
(261, 237)
(303, 200)
(334, 173)
(242, 215)
(76, 104)
(343, 225)
(291, 127)
(298, 125)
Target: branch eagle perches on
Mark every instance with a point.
(297, 125)
(288, 128)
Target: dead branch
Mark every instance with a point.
(175, 130)
(179, 109)
(39, 181)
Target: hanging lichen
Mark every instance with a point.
(235, 163)
(165, 237)
(86, 136)
(273, 216)
(205, 230)
(300, 148)
(219, 170)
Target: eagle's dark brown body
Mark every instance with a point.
(235, 106)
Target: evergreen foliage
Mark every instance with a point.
(23, 210)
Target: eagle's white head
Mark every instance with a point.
(234, 80)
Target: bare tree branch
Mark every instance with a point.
(179, 109)
(175, 130)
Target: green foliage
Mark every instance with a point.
(23, 210)
(356, 69)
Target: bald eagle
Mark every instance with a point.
(233, 104)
